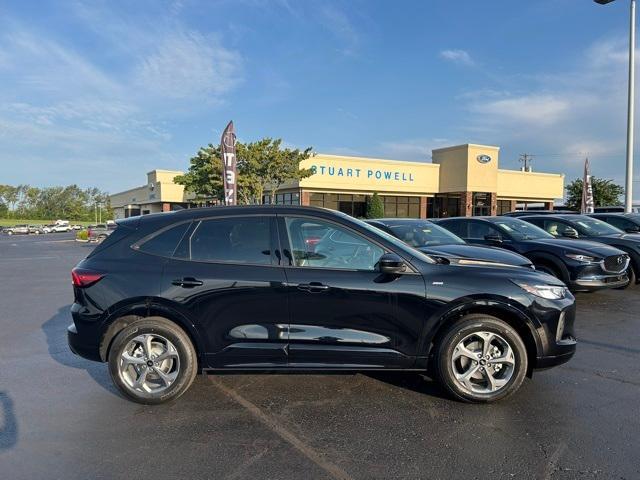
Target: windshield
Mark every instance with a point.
(390, 238)
(594, 227)
(520, 230)
(423, 234)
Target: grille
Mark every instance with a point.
(616, 263)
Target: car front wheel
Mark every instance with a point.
(152, 361)
(481, 359)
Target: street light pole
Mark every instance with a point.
(628, 191)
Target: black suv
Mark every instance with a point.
(440, 243)
(627, 222)
(587, 228)
(582, 265)
(301, 288)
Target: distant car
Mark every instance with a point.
(582, 265)
(36, 229)
(582, 227)
(97, 233)
(76, 227)
(627, 222)
(439, 242)
(60, 228)
(17, 230)
(522, 213)
(635, 208)
(47, 228)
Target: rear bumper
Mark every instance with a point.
(77, 346)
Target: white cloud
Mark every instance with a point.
(531, 109)
(460, 57)
(339, 24)
(190, 65)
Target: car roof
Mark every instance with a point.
(397, 220)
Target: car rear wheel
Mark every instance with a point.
(152, 361)
(481, 359)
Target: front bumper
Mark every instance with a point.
(555, 360)
(598, 282)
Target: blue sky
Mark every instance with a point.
(100, 93)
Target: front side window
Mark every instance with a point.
(593, 227)
(319, 244)
(233, 240)
(480, 230)
(557, 229)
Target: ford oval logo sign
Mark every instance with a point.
(483, 158)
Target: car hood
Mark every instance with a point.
(474, 252)
(576, 246)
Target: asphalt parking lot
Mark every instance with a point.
(60, 417)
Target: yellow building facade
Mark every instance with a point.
(462, 180)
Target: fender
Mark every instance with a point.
(122, 314)
(491, 305)
(553, 259)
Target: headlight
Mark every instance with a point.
(580, 258)
(550, 292)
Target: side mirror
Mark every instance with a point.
(392, 264)
(493, 237)
(570, 233)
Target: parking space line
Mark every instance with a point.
(312, 454)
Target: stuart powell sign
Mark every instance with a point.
(229, 162)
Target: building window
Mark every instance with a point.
(504, 206)
(446, 205)
(481, 204)
(401, 207)
(290, 198)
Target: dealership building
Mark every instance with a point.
(463, 180)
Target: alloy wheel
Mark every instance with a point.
(149, 364)
(483, 362)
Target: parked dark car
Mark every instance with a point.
(97, 233)
(582, 265)
(582, 227)
(627, 222)
(242, 288)
(36, 229)
(439, 242)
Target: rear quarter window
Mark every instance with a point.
(165, 241)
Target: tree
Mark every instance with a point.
(375, 207)
(605, 192)
(263, 166)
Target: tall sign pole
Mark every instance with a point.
(587, 204)
(628, 191)
(229, 165)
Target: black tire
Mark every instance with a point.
(633, 278)
(186, 354)
(460, 330)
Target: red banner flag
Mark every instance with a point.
(229, 165)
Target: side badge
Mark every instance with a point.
(437, 283)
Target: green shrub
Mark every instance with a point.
(375, 207)
(82, 235)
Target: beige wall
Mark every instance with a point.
(159, 188)
(342, 173)
(517, 185)
(460, 170)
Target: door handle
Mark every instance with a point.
(313, 287)
(187, 282)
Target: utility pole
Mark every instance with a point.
(525, 159)
(628, 191)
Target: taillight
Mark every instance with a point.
(83, 278)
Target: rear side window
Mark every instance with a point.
(165, 242)
(457, 227)
(234, 240)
